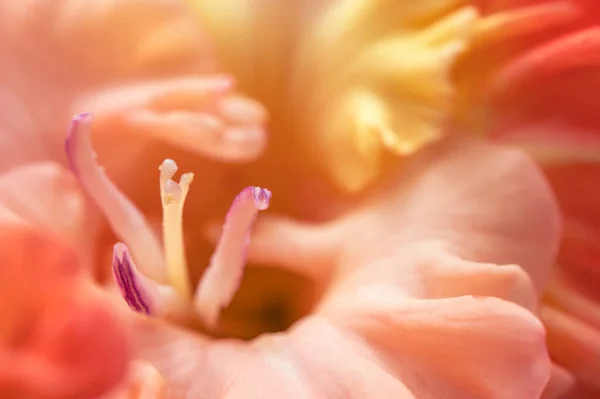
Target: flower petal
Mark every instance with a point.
(522, 80)
(62, 52)
(576, 186)
(59, 338)
(573, 323)
(143, 382)
(569, 52)
(454, 340)
(504, 215)
(197, 114)
(561, 382)
(574, 344)
(45, 196)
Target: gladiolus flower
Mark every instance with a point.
(533, 70)
(423, 285)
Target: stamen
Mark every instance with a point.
(167, 171)
(130, 281)
(141, 293)
(221, 279)
(173, 198)
(125, 219)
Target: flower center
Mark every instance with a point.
(159, 285)
(354, 81)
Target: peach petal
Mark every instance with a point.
(504, 216)
(317, 360)
(320, 358)
(303, 363)
(454, 340)
(436, 203)
(450, 276)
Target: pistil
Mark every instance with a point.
(173, 197)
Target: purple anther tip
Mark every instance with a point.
(262, 198)
(83, 117)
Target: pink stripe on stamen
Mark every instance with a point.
(221, 279)
(130, 281)
(142, 294)
(126, 220)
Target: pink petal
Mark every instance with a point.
(46, 197)
(201, 115)
(57, 54)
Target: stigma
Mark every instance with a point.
(153, 279)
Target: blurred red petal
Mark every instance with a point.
(58, 338)
(573, 344)
(561, 381)
(577, 187)
(580, 49)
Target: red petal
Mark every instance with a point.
(57, 338)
